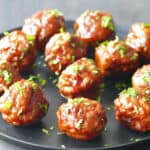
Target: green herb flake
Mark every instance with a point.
(134, 57)
(107, 145)
(7, 76)
(6, 33)
(107, 22)
(76, 100)
(26, 49)
(146, 98)
(30, 38)
(7, 105)
(105, 43)
(77, 68)
(136, 109)
(43, 82)
(146, 76)
(130, 92)
(46, 131)
(145, 25)
(67, 37)
(44, 107)
(120, 85)
(73, 45)
(79, 124)
(20, 89)
(61, 30)
(122, 50)
(63, 146)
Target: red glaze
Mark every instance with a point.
(139, 40)
(78, 78)
(116, 59)
(141, 80)
(23, 104)
(91, 28)
(16, 49)
(43, 25)
(62, 50)
(133, 111)
(81, 118)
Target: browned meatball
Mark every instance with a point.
(133, 110)
(139, 40)
(94, 26)
(18, 49)
(115, 58)
(79, 79)
(23, 103)
(63, 49)
(8, 75)
(81, 118)
(43, 25)
(141, 80)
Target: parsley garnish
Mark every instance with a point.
(145, 25)
(122, 50)
(107, 22)
(130, 92)
(7, 76)
(30, 38)
(7, 105)
(6, 33)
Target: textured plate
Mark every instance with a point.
(114, 136)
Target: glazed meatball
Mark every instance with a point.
(23, 103)
(81, 118)
(8, 75)
(94, 26)
(133, 110)
(62, 50)
(18, 49)
(139, 40)
(43, 25)
(141, 80)
(115, 58)
(79, 79)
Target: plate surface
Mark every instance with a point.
(114, 136)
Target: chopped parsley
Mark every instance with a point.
(7, 105)
(54, 12)
(73, 45)
(130, 92)
(105, 43)
(145, 25)
(146, 76)
(61, 30)
(30, 38)
(107, 22)
(37, 78)
(77, 100)
(134, 56)
(44, 107)
(20, 88)
(7, 76)
(77, 68)
(46, 131)
(120, 85)
(6, 33)
(122, 50)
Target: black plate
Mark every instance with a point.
(114, 136)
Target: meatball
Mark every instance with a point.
(139, 40)
(23, 103)
(8, 75)
(18, 49)
(133, 110)
(141, 80)
(94, 26)
(81, 118)
(43, 25)
(62, 50)
(115, 58)
(79, 79)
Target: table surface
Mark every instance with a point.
(125, 13)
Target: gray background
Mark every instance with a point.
(125, 13)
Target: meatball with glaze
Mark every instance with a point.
(80, 79)
(139, 39)
(133, 110)
(62, 50)
(81, 118)
(18, 49)
(8, 75)
(43, 25)
(23, 103)
(94, 26)
(115, 58)
(141, 80)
